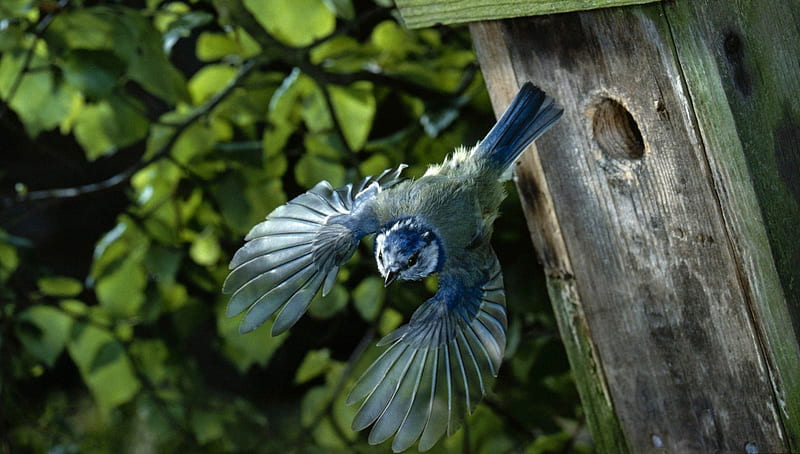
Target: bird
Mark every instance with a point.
(435, 369)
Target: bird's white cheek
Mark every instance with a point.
(378, 256)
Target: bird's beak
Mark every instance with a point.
(391, 276)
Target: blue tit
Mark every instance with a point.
(436, 368)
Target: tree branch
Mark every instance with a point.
(125, 175)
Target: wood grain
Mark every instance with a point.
(549, 243)
(742, 67)
(666, 310)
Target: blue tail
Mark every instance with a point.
(530, 114)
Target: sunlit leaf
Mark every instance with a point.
(374, 165)
(354, 106)
(51, 336)
(206, 82)
(327, 435)
(113, 383)
(394, 41)
(342, 54)
(295, 22)
(368, 297)
(311, 169)
(390, 320)
(108, 125)
(121, 291)
(205, 248)
(40, 102)
(59, 286)
(314, 364)
(214, 46)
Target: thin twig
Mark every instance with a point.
(126, 174)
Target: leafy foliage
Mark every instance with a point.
(186, 123)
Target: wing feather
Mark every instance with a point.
(298, 249)
(437, 367)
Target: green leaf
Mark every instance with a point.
(207, 426)
(151, 355)
(17, 8)
(74, 308)
(85, 28)
(9, 260)
(314, 403)
(162, 263)
(205, 248)
(108, 353)
(39, 101)
(342, 54)
(330, 305)
(95, 72)
(183, 26)
(327, 436)
(295, 22)
(244, 350)
(148, 64)
(52, 332)
(354, 107)
(195, 141)
(235, 209)
(374, 165)
(60, 286)
(343, 416)
(394, 42)
(108, 125)
(129, 35)
(314, 364)
(208, 81)
(113, 383)
(368, 297)
(390, 320)
(121, 291)
(326, 145)
(214, 46)
(311, 169)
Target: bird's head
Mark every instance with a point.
(408, 249)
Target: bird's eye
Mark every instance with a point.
(413, 259)
(380, 255)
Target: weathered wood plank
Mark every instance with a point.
(654, 266)
(549, 242)
(742, 67)
(424, 13)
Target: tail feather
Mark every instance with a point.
(529, 115)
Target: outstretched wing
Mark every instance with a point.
(438, 366)
(298, 249)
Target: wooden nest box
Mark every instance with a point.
(665, 207)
